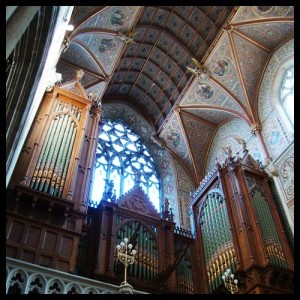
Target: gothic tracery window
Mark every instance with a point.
(122, 161)
(287, 93)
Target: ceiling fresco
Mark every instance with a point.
(140, 54)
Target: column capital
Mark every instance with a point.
(256, 127)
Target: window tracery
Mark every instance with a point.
(122, 161)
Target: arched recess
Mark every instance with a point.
(226, 136)
(164, 162)
(278, 133)
(277, 130)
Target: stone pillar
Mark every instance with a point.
(256, 130)
(17, 25)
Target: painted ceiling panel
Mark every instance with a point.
(86, 79)
(151, 69)
(68, 73)
(169, 66)
(173, 136)
(79, 56)
(105, 47)
(144, 82)
(222, 67)
(216, 12)
(215, 117)
(160, 17)
(187, 34)
(165, 42)
(124, 63)
(196, 18)
(209, 94)
(124, 89)
(132, 50)
(118, 77)
(148, 14)
(206, 28)
(174, 24)
(176, 52)
(154, 91)
(131, 77)
(98, 89)
(144, 50)
(137, 64)
(197, 44)
(183, 11)
(149, 105)
(137, 94)
(151, 35)
(198, 134)
(113, 17)
(267, 35)
(149, 72)
(256, 12)
(163, 101)
(252, 60)
(80, 12)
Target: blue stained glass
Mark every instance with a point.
(123, 161)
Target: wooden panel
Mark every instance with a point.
(66, 246)
(33, 236)
(63, 266)
(40, 214)
(16, 232)
(28, 256)
(50, 240)
(46, 261)
(11, 251)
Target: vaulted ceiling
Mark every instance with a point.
(148, 69)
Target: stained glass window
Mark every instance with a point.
(122, 161)
(287, 93)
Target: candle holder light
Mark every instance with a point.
(230, 282)
(126, 256)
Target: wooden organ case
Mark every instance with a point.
(237, 226)
(165, 253)
(47, 194)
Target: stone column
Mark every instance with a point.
(17, 25)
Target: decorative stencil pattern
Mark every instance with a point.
(285, 165)
(113, 17)
(255, 12)
(185, 186)
(214, 116)
(224, 137)
(267, 97)
(275, 135)
(266, 35)
(209, 94)
(252, 60)
(105, 47)
(221, 66)
(198, 134)
(97, 89)
(77, 55)
(175, 140)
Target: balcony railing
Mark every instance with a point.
(27, 278)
